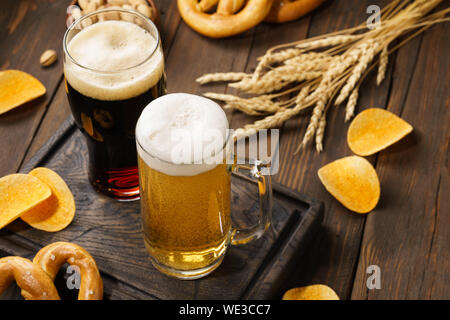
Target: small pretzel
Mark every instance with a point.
(231, 17)
(289, 10)
(53, 256)
(34, 282)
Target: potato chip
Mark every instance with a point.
(18, 87)
(312, 292)
(58, 211)
(375, 129)
(353, 182)
(19, 193)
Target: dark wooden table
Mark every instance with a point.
(407, 235)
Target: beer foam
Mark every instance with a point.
(119, 53)
(181, 134)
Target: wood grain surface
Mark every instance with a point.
(406, 235)
(111, 232)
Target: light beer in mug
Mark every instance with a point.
(185, 185)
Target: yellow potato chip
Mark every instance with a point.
(312, 292)
(58, 211)
(18, 87)
(18, 194)
(353, 182)
(375, 129)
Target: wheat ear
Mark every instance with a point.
(328, 42)
(351, 104)
(271, 82)
(276, 119)
(384, 56)
(222, 76)
(254, 106)
(367, 56)
(321, 132)
(315, 118)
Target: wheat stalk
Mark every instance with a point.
(382, 66)
(369, 52)
(222, 77)
(320, 133)
(316, 114)
(324, 70)
(328, 42)
(253, 106)
(320, 60)
(351, 104)
(276, 119)
(275, 81)
(280, 56)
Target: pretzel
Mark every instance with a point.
(231, 17)
(34, 282)
(289, 10)
(53, 256)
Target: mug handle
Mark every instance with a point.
(245, 235)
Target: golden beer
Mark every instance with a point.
(185, 186)
(186, 219)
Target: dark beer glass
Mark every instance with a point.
(113, 68)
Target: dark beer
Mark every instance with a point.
(109, 129)
(113, 69)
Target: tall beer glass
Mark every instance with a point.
(184, 176)
(113, 67)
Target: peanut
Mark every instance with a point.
(110, 15)
(126, 16)
(145, 10)
(48, 58)
(88, 6)
(92, 6)
(117, 2)
(136, 3)
(83, 4)
(76, 13)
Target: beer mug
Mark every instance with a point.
(185, 167)
(113, 67)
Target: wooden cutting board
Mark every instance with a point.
(111, 232)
